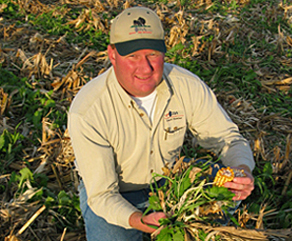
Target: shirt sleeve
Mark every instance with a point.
(96, 164)
(215, 131)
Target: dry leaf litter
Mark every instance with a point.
(65, 68)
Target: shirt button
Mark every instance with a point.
(151, 171)
(151, 152)
(141, 114)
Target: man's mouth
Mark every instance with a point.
(142, 78)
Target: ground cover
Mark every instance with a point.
(49, 49)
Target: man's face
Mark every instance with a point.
(139, 72)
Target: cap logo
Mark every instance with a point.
(140, 26)
(140, 22)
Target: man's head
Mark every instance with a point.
(136, 50)
(135, 29)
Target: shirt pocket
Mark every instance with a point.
(174, 128)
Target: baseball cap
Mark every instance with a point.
(137, 28)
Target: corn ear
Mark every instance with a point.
(225, 174)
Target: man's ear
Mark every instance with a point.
(111, 54)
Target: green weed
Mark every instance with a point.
(63, 207)
(11, 11)
(186, 195)
(50, 23)
(10, 148)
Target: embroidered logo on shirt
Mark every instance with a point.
(140, 26)
(173, 115)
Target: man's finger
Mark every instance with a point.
(153, 218)
(243, 180)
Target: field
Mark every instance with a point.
(50, 48)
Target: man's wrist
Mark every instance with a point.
(135, 218)
(245, 168)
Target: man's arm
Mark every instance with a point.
(214, 130)
(96, 164)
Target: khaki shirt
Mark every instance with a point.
(117, 148)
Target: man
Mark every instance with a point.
(130, 121)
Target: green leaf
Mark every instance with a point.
(154, 203)
(268, 169)
(220, 193)
(195, 205)
(50, 103)
(164, 221)
(49, 201)
(177, 47)
(37, 118)
(25, 174)
(178, 235)
(2, 141)
(184, 185)
(184, 182)
(165, 235)
(13, 178)
(63, 198)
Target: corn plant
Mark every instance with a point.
(187, 197)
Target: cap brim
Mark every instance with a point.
(129, 47)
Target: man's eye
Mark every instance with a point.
(155, 54)
(132, 56)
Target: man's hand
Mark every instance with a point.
(241, 186)
(150, 219)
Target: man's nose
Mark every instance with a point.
(145, 64)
